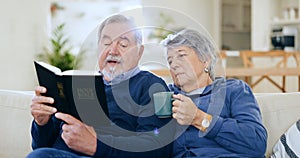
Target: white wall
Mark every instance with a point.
(23, 32)
(196, 14)
(201, 11)
(25, 27)
(262, 13)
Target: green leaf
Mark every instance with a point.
(59, 54)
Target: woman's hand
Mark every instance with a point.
(184, 110)
(187, 113)
(39, 110)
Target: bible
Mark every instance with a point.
(75, 92)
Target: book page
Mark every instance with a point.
(81, 73)
(50, 67)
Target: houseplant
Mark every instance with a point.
(59, 54)
(165, 26)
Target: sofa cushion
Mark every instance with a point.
(279, 112)
(15, 123)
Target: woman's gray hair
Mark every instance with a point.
(202, 45)
(121, 19)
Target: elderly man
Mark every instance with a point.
(135, 130)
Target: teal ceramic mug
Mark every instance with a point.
(163, 104)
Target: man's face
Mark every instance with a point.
(118, 50)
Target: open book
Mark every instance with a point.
(75, 92)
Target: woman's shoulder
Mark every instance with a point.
(237, 85)
(235, 82)
(231, 84)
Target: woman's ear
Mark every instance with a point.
(207, 63)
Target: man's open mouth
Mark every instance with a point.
(113, 61)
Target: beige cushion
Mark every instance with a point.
(279, 112)
(15, 123)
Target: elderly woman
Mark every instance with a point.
(216, 117)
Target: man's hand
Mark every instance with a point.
(39, 110)
(77, 135)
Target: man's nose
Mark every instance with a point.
(113, 49)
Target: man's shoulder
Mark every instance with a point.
(145, 82)
(147, 77)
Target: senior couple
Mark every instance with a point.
(212, 117)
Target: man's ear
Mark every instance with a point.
(141, 51)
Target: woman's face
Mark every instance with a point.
(185, 67)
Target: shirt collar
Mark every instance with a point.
(122, 77)
(196, 91)
(218, 82)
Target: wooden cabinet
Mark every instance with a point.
(236, 15)
(236, 24)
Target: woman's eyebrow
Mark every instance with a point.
(180, 50)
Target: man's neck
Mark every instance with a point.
(121, 77)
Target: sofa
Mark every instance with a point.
(279, 112)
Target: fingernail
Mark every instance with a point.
(43, 90)
(54, 110)
(51, 100)
(57, 115)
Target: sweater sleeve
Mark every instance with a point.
(45, 136)
(151, 138)
(243, 131)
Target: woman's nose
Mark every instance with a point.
(174, 65)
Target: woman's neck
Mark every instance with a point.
(200, 83)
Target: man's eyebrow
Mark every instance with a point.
(124, 38)
(106, 37)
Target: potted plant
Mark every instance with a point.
(60, 54)
(163, 29)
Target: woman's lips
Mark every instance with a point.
(178, 74)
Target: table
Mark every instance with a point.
(267, 72)
(249, 69)
(248, 55)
